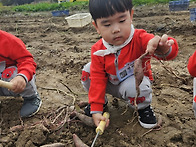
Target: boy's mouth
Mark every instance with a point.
(117, 38)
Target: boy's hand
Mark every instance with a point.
(19, 84)
(97, 117)
(159, 45)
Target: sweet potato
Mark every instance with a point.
(78, 142)
(85, 119)
(82, 104)
(139, 74)
(54, 145)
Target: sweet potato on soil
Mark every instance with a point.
(85, 119)
(78, 142)
(54, 145)
(82, 104)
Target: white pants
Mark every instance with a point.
(125, 90)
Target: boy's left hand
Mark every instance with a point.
(19, 84)
(159, 45)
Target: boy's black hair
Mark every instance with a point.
(106, 8)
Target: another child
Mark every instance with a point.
(192, 70)
(17, 66)
(113, 56)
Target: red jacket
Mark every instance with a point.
(192, 65)
(14, 53)
(102, 67)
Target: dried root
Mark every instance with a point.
(55, 120)
(17, 128)
(157, 127)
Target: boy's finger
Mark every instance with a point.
(170, 42)
(163, 40)
(152, 44)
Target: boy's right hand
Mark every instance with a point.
(97, 117)
(19, 84)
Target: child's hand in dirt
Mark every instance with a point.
(18, 83)
(159, 45)
(97, 117)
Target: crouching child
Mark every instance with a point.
(112, 60)
(17, 66)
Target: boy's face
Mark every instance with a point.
(115, 29)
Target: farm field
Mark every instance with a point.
(61, 52)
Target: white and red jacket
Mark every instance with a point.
(103, 69)
(14, 53)
(192, 65)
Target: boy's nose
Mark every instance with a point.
(116, 29)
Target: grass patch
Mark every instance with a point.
(5, 9)
(144, 2)
(49, 6)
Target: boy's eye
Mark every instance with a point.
(106, 25)
(121, 21)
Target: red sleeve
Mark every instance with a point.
(98, 84)
(15, 50)
(192, 65)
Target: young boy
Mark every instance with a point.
(113, 56)
(17, 66)
(192, 70)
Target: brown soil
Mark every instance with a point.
(60, 53)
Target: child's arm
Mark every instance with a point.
(98, 84)
(24, 59)
(18, 55)
(192, 65)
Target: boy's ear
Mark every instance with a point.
(132, 11)
(95, 25)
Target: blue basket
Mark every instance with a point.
(193, 14)
(179, 5)
(60, 13)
